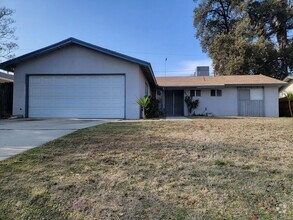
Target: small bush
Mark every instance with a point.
(191, 104)
(152, 109)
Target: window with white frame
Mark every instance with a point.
(219, 92)
(215, 92)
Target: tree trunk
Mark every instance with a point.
(282, 38)
(143, 113)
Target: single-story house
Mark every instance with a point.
(6, 78)
(236, 95)
(75, 79)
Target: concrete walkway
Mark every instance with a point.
(19, 135)
(177, 118)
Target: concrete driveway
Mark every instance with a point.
(22, 134)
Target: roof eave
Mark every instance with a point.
(222, 86)
(6, 80)
(192, 87)
(10, 64)
(256, 85)
(288, 79)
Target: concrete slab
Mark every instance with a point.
(177, 118)
(19, 135)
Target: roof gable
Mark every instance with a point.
(146, 66)
(289, 78)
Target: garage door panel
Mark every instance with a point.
(77, 96)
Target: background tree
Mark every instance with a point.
(246, 36)
(7, 37)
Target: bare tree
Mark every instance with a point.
(7, 37)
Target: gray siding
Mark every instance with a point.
(227, 104)
(217, 105)
(271, 101)
(78, 60)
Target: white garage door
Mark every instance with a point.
(76, 96)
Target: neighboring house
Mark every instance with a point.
(75, 79)
(283, 101)
(6, 94)
(237, 95)
(286, 88)
(6, 78)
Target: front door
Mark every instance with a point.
(174, 103)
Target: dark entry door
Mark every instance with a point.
(174, 103)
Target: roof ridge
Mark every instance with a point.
(10, 64)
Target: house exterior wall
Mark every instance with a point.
(142, 82)
(79, 60)
(271, 101)
(225, 105)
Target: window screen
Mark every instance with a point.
(198, 92)
(256, 94)
(244, 94)
(219, 92)
(191, 93)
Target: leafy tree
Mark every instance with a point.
(273, 19)
(7, 37)
(246, 36)
(214, 17)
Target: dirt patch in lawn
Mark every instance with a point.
(197, 169)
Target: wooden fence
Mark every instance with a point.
(284, 107)
(6, 97)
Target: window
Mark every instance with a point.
(256, 94)
(146, 89)
(219, 92)
(244, 94)
(198, 92)
(192, 93)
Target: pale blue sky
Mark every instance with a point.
(150, 30)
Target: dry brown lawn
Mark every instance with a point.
(231, 168)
